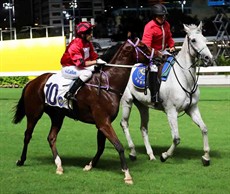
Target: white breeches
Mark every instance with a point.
(73, 72)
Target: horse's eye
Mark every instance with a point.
(193, 40)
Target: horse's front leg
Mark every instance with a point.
(173, 122)
(52, 138)
(144, 114)
(194, 113)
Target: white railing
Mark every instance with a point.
(209, 76)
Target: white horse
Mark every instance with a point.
(179, 93)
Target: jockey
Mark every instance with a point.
(157, 35)
(79, 59)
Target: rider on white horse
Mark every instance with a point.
(157, 35)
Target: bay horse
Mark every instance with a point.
(93, 107)
(180, 93)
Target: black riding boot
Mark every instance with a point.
(154, 86)
(70, 94)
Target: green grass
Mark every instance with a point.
(183, 173)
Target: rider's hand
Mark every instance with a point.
(100, 62)
(172, 49)
(158, 54)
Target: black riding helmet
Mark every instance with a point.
(159, 9)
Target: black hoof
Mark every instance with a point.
(205, 162)
(132, 158)
(162, 159)
(19, 163)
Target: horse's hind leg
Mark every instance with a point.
(126, 110)
(56, 123)
(31, 122)
(144, 114)
(106, 130)
(194, 113)
(100, 149)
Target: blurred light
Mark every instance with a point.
(73, 4)
(7, 5)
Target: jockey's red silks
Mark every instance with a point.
(77, 52)
(158, 36)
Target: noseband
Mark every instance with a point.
(199, 56)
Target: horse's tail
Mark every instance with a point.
(19, 109)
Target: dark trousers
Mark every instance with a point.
(154, 86)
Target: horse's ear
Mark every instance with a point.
(129, 35)
(200, 26)
(186, 28)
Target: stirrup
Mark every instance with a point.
(156, 99)
(69, 96)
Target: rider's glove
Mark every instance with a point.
(100, 62)
(172, 49)
(158, 54)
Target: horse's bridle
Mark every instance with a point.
(199, 56)
(137, 49)
(195, 79)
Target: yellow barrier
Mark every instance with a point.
(31, 55)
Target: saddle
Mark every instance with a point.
(55, 89)
(140, 73)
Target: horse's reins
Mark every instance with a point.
(195, 86)
(107, 87)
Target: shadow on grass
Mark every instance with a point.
(112, 163)
(104, 164)
(180, 152)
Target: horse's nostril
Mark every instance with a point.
(206, 57)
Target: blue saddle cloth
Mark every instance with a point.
(138, 76)
(167, 67)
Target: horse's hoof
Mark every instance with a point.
(88, 167)
(162, 159)
(205, 161)
(19, 163)
(152, 157)
(132, 158)
(129, 181)
(59, 170)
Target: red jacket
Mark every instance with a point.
(157, 36)
(77, 52)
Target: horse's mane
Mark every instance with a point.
(192, 26)
(109, 53)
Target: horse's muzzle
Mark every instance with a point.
(207, 61)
